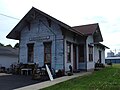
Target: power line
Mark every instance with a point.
(9, 16)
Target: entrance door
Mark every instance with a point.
(74, 58)
(47, 53)
(99, 56)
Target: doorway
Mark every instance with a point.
(74, 58)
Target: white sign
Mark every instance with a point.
(49, 73)
(39, 38)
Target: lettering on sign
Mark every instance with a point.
(40, 38)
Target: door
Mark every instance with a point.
(47, 53)
(81, 53)
(74, 58)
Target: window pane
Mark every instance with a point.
(47, 60)
(90, 53)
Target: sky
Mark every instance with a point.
(71, 12)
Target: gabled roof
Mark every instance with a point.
(8, 51)
(90, 29)
(15, 33)
(86, 29)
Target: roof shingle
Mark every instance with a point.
(86, 29)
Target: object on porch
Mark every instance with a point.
(2, 69)
(53, 73)
(40, 73)
(71, 71)
(14, 69)
(109, 63)
(60, 73)
(49, 72)
(70, 67)
(99, 66)
(27, 69)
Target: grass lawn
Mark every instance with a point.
(105, 79)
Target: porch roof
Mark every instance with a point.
(101, 45)
(15, 33)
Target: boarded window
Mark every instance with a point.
(30, 53)
(90, 52)
(47, 53)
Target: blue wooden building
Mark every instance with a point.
(46, 40)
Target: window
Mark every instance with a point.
(47, 53)
(99, 56)
(30, 53)
(81, 53)
(90, 52)
(68, 52)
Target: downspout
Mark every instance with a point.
(19, 53)
(55, 51)
(19, 61)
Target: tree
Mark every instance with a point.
(9, 45)
(16, 45)
(1, 44)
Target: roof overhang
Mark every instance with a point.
(101, 45)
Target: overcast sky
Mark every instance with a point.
(71, 12)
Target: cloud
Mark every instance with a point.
(71, 12)
(110, 29)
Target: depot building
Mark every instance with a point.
(46, 40)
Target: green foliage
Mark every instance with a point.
(16, 45)
(105, 79)
(9, 45)
(1, 44)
